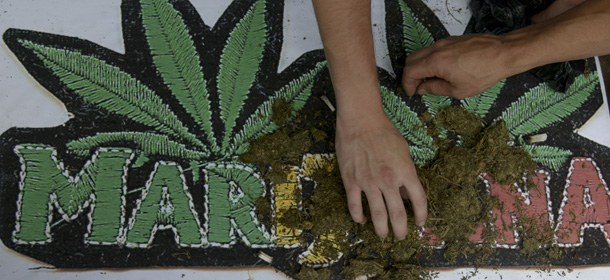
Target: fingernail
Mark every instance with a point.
(421, 224)
(401, 238)
(422, 92)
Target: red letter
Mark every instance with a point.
(585, 203)
(529, 205)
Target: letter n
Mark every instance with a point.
(586, 203)
(46, 185)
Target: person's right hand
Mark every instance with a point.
(467, 65)
(374, 158)
(459, 67)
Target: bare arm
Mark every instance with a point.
(467, 65)
(373, 157)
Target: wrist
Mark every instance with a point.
(356, 121)
(358, 106)
(521, 51)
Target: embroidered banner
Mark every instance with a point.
(157, 167)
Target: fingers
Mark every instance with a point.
(421, 65)
(414, 74)
(436, 86)
(419, 201)
(354, 202)
(410, 85)
(396, 210)
(379, 214)
(403, 193)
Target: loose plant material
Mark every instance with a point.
(458, 206)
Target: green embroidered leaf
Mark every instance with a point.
(239, 64)
(148, 143)
(542, 106)
(410, 126)
(415, 36)
(110, 88)
(548, 156)
(259, 123)
(436, 103)
(480, 104)
(177, 61)
(421, 155)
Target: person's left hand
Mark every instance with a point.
(374, 158)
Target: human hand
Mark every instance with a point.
(459, 67)
(374, 158)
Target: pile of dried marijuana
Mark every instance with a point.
(457, 202)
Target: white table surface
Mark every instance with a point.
(24, 103)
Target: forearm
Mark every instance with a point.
(345, 27)
(578, 33)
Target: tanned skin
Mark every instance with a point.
(373, 157)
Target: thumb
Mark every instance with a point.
(435, 86)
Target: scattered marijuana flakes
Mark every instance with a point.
(585, 202)
(263, 211)
(461, 123)
(274, 152)
(458, 209)
(308, 273)
(281, 112)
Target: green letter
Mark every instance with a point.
(165, 204)
(231, 193)
(46, 184)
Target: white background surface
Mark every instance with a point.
(24, 103)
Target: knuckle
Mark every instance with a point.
(434, 59)
(387, 175)
(354, 208)
(349, 184)
(368, 179)
(397, 216)
(442, 42)
(440, 56)
(421, 204)
(378, 215)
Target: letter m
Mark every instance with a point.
(46, 185)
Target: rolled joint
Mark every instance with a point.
(537, 138)
(327, 101)
(265, 257)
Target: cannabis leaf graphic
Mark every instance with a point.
(177, 61)
(537, 109)
(189, 133)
